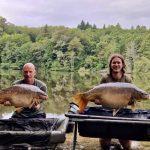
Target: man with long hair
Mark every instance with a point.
(116, 74)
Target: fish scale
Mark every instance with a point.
(22, 95)
(114, 95)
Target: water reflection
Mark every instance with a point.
(61, 88)
(6, 115)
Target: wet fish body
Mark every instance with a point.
(112, 95)
(22, 95)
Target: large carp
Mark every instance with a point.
(22, 95)
(113, 95)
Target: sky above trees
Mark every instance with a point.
(70, 13)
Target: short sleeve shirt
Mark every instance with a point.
(108, 78)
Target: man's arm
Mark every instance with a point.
(44, 89)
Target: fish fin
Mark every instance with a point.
(80, 100)
(133, 106)
(35, 102)
(5, 100)
(19, 109)
(43, 97)
(32, 102)
(115, 111)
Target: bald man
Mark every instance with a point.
(29, 73)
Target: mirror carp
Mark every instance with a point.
(112, 95)
(22, 95)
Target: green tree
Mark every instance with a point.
(3, 24)
(82, 25)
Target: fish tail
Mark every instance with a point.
(133, 106)
(115, 111)
(19, 109)
(81, 101)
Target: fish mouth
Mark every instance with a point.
(44, 97)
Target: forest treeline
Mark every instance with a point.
(85, 47)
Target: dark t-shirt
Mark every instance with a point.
(108, 78)
(31, 112)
